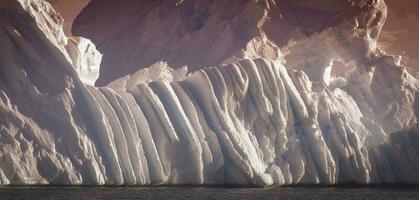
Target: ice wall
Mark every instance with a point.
(250, 122)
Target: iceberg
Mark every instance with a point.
(258, 118)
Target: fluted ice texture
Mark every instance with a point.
(248, 123)
(251, 122)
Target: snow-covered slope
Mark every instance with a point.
(252, 120)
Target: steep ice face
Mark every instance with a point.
(247, 121)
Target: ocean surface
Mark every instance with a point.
(204, 193)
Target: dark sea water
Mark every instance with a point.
(204, 193)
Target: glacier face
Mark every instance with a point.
(251, 120)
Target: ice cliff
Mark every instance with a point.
(258, 106)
